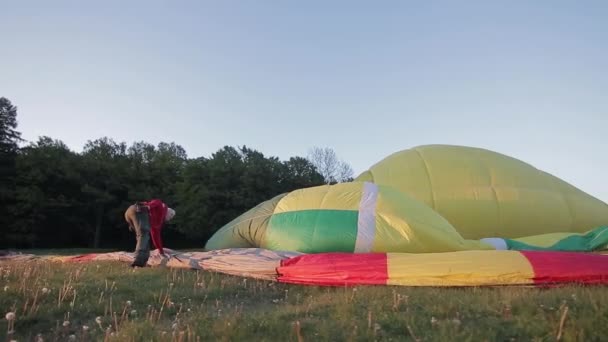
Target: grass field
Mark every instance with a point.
(110, 301)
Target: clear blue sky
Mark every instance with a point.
(525, 78)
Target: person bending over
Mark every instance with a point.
(147, 219)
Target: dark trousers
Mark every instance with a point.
(142, 233)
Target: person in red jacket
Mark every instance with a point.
(147, 219)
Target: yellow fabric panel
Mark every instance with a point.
(58, 258)
(584, 210)
(512, 212)
(404, 224)
(343, 196)
(488, 194)
(459, 268)
(404, 171)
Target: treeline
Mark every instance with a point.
(53, 197)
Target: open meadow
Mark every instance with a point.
(98, 301)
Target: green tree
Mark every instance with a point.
(155, 171)
(140, 157)
(194, 200)
(48, 207)
(105, 188)
(261, 178)
(300, 173)
(167, 170)
(9, 139)
(9, 136)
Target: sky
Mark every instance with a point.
(366, 78)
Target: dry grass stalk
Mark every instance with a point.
(561, 323)
(409, 329)
(298, 330)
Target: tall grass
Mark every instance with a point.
(109, 301)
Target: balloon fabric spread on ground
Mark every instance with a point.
(464, 268)
(432, 215)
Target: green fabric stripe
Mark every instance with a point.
(313, 231)
(596, 239)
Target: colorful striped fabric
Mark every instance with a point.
(355, 217)
(362, 217)
(467, 268)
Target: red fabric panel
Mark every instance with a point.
(335, 269)
(157, 210)
(561, 267)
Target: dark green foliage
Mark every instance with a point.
(53, 197)
(9, 139)
(214, 191)
(48, 203)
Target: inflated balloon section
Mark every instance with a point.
(437, 215)
(428, 199)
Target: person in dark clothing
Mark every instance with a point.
(147, 219)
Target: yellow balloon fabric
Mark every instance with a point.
(487, 194)
(354, 217)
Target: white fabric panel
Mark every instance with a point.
(366, 225)
(498, 243)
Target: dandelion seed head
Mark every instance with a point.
(45, 290)
(98, 320)
(66, 323)
(10, 316)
